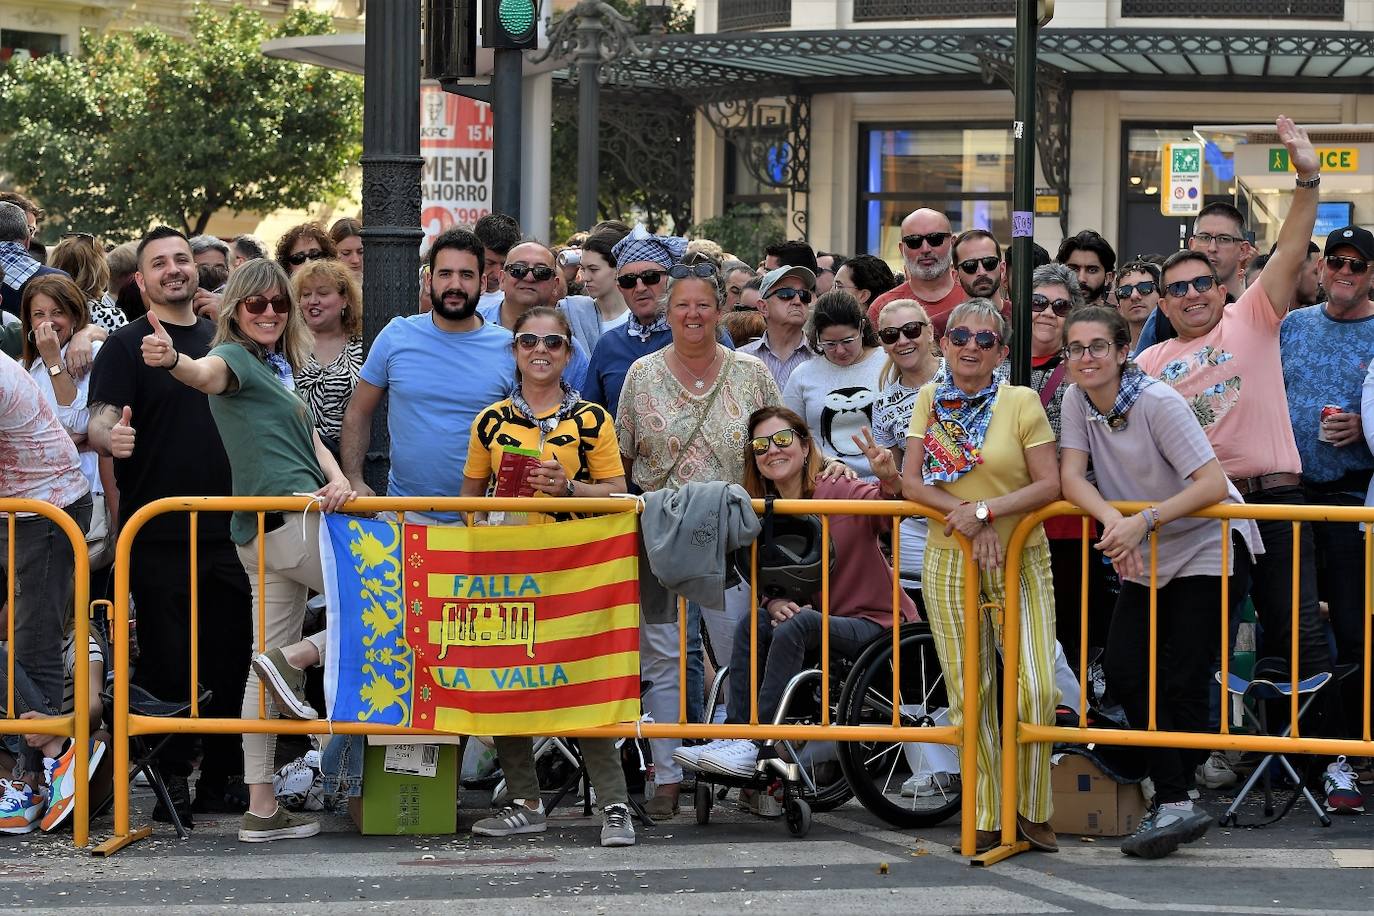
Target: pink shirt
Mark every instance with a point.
(862, 583)
(1232, 378)
(37, 457)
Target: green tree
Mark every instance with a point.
(144, 127)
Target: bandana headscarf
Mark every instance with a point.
(639, 245)
(956, 430)
(1133, 382)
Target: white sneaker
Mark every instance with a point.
(926, 785)
(734, 757)
(1217, 772)
(689, 758)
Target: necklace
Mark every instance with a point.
(700, 382)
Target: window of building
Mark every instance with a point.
(744, 193)
(17, 44)
(1144, 230)
(964, 171)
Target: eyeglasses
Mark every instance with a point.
(521, 271)
(1061, 306)
(912, 330)
(300, 257)
(703, 269)
(256, 305)
(1179, 288)
(1356, 265)
(828, 345)
(970, 266)
(782, 439)
(84, 236)
(985, 340)
(787, 293)
(933, 239)
(1144, 287)
(1097, 349)
(554, 343)
(1223, 241)
(650, 278)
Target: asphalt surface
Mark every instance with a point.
(739, 863)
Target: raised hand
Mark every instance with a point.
(1300, 152)
(49, 347)
(122, 435)
(158, 351)
(880, 459)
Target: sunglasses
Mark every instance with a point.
(971, 265)
(985, 340)
(1061, 306)
(1144, 287)
(554, 343)
(933, 239)
(703, 269)
(787, 293)
(521, 271)
(782, 439)
(256, 305)
(301, 257)
(1356, 265)
(912, 330)
(1179, 288)
(84, 236)
(650, 278)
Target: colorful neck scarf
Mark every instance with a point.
(1133, 382)
(548, 424)
(635, 329)
(278, 364)
(956, 430)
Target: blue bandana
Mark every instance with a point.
(1133, 382)
(278, 364)
(635, 329)
(639, 245)
(954, 435)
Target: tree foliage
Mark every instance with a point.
(145, 128)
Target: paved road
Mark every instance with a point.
(737, 864)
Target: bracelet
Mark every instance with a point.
(1151, 518)
(1312, 182)
(177, 354)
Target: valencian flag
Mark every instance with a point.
(489, 630)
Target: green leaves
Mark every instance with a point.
(144, 128)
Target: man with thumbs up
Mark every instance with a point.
(165, 443)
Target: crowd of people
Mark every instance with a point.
(630, 360)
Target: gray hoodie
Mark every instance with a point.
(687, 534)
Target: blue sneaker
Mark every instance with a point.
(21, 806)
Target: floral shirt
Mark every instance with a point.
(676, 437)
(37, 457)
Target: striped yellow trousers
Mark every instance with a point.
(942, 585)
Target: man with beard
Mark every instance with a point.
(178, 453)
(980, 270)
(430, 409)
(926, 259)
(528, 279)
(1094, 260)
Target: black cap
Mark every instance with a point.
(1359, 238)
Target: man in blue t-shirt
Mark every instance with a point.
(440, 370)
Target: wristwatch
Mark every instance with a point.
(55, 371)
(982, 512)
(1312, 182)
(570, 487)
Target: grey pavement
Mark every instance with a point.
(738, 863)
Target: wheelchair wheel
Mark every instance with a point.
(703, 801)
(876, 770)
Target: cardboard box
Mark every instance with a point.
(398, 795)
(1087, 801)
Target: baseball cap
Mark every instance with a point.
(1362, 240)
(775, 276)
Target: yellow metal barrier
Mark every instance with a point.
(76, 726)
(1015, 732)
(126, 724)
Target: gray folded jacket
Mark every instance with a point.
(687, 535)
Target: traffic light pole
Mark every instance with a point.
(506, 97)
(1023, 188)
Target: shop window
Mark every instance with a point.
(965, 172)
(17, 45)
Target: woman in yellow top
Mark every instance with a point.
(580, 457)
(984, 455)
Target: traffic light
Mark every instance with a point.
(510, 24)
(450, 30)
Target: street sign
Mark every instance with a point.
(1181, 168)
(1333, 159)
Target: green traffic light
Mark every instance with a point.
(517, 17)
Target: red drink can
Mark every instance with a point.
(1327, 412)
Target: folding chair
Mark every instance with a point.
(142, 751)
(1272, 681)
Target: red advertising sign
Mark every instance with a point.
(455, 141)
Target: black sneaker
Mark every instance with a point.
(1163, 830)
(216, 796)
(179, 789)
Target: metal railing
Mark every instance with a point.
(748, 15)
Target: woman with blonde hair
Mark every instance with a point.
(332, 304)
(261, 340)
(80, 256)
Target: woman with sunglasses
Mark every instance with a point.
(1137, 295)
(983, 454)
(580, 457)
(781, 459)
(835, 394)
(306, 242)
(260, 340)
(1145, 445)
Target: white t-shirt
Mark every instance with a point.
(836, 402)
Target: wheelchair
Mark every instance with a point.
(873, 771)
